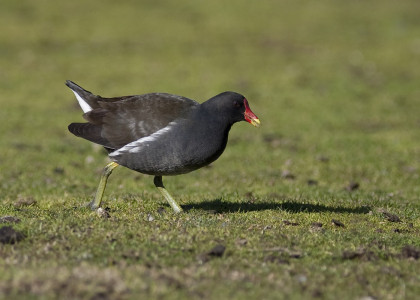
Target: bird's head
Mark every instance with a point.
(235, 107)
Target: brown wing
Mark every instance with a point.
(127, 119)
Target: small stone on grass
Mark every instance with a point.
(103, 213)
(150, 218)
(241, 242)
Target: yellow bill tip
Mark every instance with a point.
(256, 122)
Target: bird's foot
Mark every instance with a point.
(91, 205)
(101, 212)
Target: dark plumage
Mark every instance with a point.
(157, 133)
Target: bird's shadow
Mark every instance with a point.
(218, 206)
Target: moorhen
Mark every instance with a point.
(158, 134)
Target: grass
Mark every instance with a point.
(335, 85)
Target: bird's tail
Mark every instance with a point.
(86, 99)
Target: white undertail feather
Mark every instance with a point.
(83, 104)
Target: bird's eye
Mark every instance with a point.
(236, 103)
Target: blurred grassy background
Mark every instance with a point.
(335, 84)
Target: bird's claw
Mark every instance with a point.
(91, 205)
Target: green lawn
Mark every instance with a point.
(336, 87)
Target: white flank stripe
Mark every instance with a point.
(136, 146)
(83, 104)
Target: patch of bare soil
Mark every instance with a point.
(316, 227)
(9, 219)
(24, 201)
(281, 255)
(361, 253)
(337, 223)
(83, 282)
(10, 236)
(352, 186)
(216, 251)
(410, 252)
(289, 223)
(366, 254)
(390, 216)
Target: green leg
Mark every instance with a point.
(159, 184)
(94, 204)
